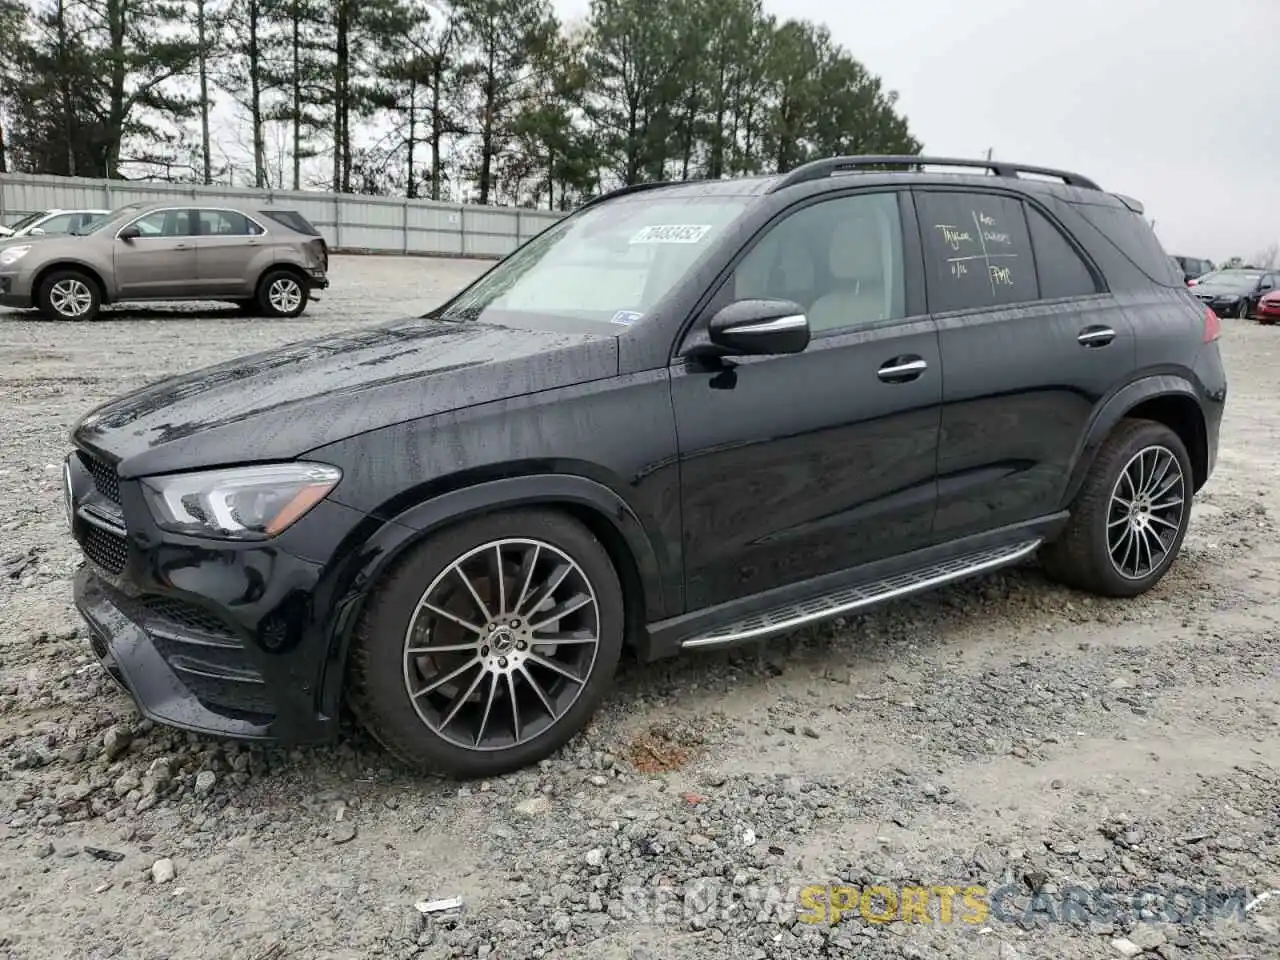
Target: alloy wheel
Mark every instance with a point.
(1148, 503)
(71, 298)
(285, 295)
(501, 644)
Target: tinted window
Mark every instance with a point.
(1059, 269)
(165, 223)
(1134, 238)
(976, 251)
(839, 259)
(293, 220)
(225, 223)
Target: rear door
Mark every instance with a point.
(796, 466)
(161, 261)
(1030, 343)
(228, 249)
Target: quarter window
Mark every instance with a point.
(1059, 268)
(840, 259)
(976, 251)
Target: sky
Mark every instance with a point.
(1173, 102)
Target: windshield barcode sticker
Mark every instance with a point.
(672, 233)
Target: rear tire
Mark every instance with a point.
(452, 711)
(282, 294)
(1130, 517)
(69, 295)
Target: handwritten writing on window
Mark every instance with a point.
(980, 247)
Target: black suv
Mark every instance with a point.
(686, 416)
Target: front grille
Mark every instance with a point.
(104, 476)
(110, 551)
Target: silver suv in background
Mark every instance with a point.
(52, 223)
(266, 260)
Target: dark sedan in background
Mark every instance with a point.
(1235, 293)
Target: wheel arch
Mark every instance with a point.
(601, 510)
(1167, 399)
(104, 294)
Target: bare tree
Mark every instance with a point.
(1267, 258)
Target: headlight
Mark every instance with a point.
(241, 503)
(14, 254)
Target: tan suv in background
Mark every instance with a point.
(266, 260)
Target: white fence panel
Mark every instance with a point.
(347, 222)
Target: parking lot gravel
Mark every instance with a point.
(1081, 760)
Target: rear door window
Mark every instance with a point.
(977, 250)
(225, 223)
(1060, 269)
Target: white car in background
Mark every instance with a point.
(51, 223)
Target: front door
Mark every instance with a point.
(161, 261)
(796, 466)
(1031, 344)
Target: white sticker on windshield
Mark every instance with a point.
(672, 233)
(626, 317)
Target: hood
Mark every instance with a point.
(1272, 297)
(279, 404)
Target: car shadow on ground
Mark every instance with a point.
(113, 314)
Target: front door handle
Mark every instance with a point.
(902, 369)
(1096, 336)
(183, 246)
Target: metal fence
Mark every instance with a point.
(349, 223)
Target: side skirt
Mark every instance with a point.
(769, 615)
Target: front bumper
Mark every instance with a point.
(13, 293)
(227, 639)
(1223, 306)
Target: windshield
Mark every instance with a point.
(608, 264)
(1236, 280)
(25, 221)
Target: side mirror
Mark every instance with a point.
(36, 232)
(754, 327)
(130, 232)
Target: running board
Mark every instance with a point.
(786, 618)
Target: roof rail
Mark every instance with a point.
(818, 169)
(623, 191)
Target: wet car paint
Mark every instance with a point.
(707, 484)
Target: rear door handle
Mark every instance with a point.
(1096, 336)
(183, 246)
(902, 369)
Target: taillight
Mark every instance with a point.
(1212, 325)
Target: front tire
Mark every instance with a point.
(1130, 517)
(69, 295)
(282, 294)
(490, 645)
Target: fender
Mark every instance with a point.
(1113, 410)
(397, 534)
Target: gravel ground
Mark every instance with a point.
(1009, 734)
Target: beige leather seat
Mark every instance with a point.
(858, 270)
